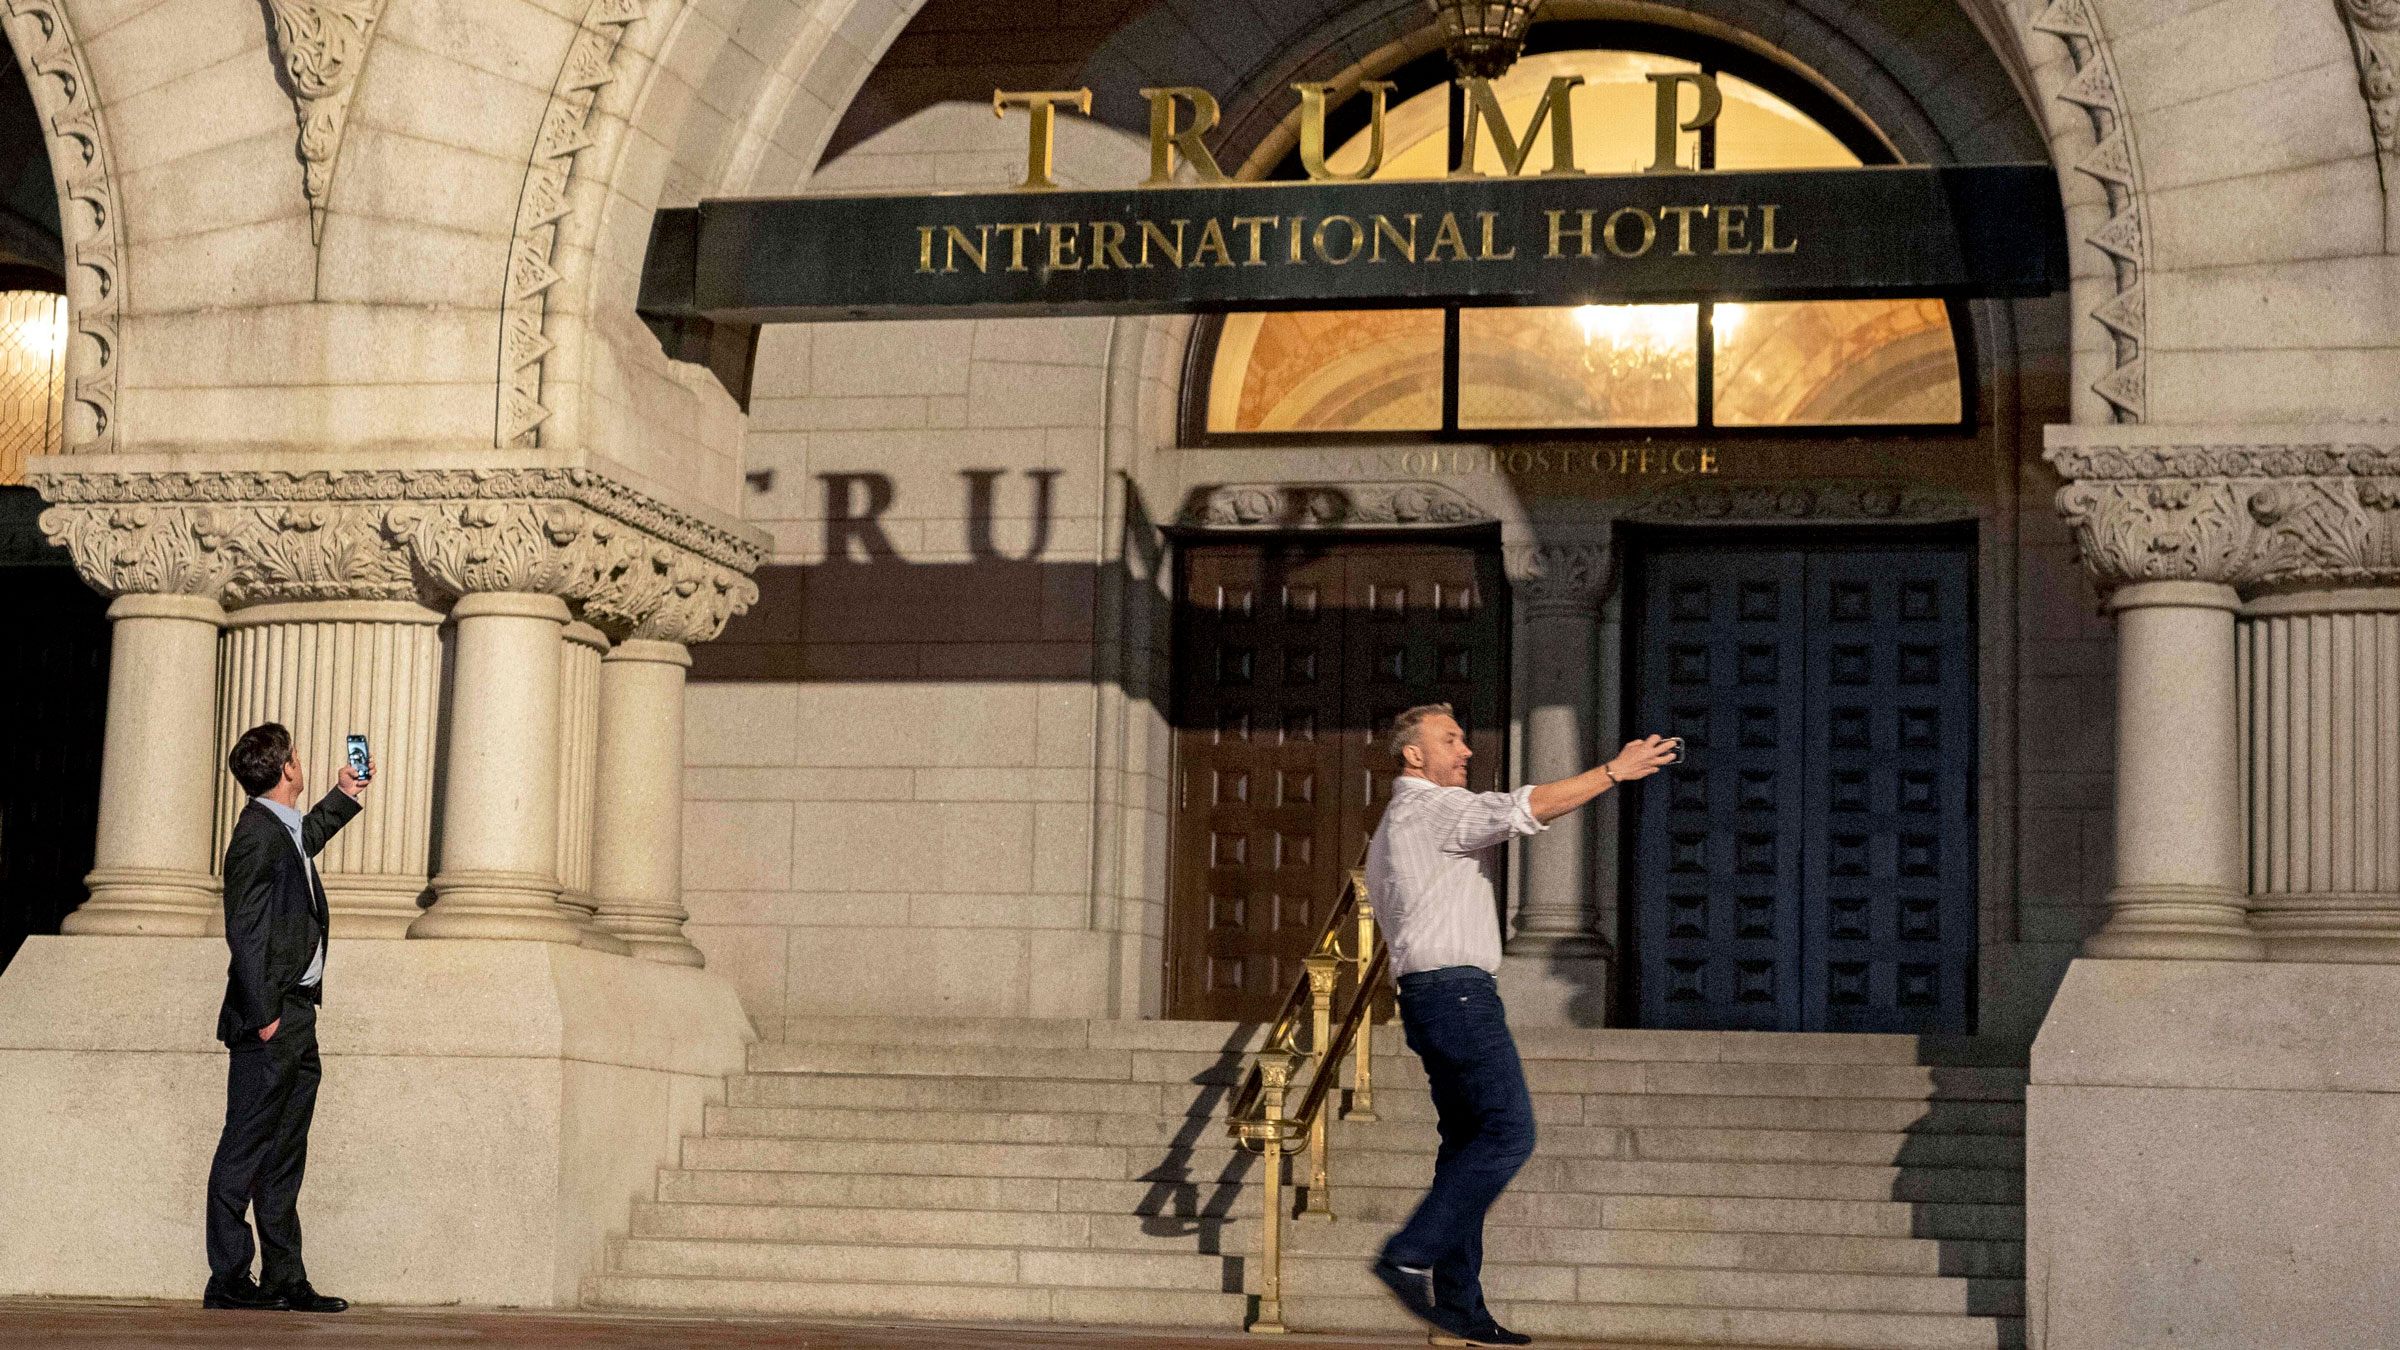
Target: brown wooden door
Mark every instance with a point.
(1290, 660)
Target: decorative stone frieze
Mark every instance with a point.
(320, 45)
(1316, 506)
(1560, 578)
(1813, 503)
(634, 565)
(2251, 514)
(82, 163)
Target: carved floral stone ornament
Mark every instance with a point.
(633, 566)
(2251, 516)
(1314, 506)
(1766, 503)
(1560, 578)
(321, 44)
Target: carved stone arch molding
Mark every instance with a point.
(2112, 161)
(82, 166)
(593, 62)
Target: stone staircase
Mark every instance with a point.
(1689, 1187)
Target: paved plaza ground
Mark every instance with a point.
(137, 1325)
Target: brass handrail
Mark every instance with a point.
(1261, 1116)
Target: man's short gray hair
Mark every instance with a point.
(1404, 727)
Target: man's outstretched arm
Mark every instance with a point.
(1639, 759)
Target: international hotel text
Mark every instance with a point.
(1713, 228)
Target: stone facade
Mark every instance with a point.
(364, 433)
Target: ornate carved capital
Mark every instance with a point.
(1326, 506)
(633, 565)
(2252, 514)
(1560, 579)
(321, 44)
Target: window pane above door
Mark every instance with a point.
(1579, 366)
(1328, 370)
(1836, 363)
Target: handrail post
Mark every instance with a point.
(1323, 971)
(1362, 1078)
(1274, 1075)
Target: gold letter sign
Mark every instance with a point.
(1312, 130)
(1669, 86)
(1043, 104)
(1165, 140)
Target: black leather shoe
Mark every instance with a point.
(240, 1291)
(1414, 1288)
(1486, 1332)
(298, 1297)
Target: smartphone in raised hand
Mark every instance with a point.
(359, 761)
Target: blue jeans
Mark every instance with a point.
(1454, 1021)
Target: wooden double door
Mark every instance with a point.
(1291, 658)
(1811, 865)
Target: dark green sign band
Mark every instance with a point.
(1955, 231)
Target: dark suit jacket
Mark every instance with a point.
(274, 912)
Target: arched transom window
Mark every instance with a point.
(1486, 371)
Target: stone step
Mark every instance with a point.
(1209, 1194)
(1353, 1237)
(1581, 1043)
(1392, 1136)
(1304, 1275)
(1103, 1307)
(1846, 1081)
(1359, 1169)
(1655, 1325)
(1394, 1102)
(904, 1227)
(1734, 1214)
(892, 1093)
(1359, 1238)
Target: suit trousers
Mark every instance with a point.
(270, 1097)
(1455, 1022)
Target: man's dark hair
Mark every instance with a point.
(257, 759)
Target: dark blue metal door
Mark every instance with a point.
(1811, 865)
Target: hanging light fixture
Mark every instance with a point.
(1484, 37)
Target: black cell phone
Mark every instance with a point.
(1675, 743)
(358, 757)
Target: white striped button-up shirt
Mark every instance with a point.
(1430, 867)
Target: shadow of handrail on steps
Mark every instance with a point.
(1953, 1171)
(1180, 1205)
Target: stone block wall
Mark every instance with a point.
(896, 760)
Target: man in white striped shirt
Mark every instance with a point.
(1429, 872)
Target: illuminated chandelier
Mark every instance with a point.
(1484, 37)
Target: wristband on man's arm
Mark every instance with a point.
(1612, 774)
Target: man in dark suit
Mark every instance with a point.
(275, 922)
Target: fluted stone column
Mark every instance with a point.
(2179, 889)
(578, 764)
(499, 849)
(326, 669)
(2321, 711)
(637, 844)
(1558, 599)
(151, 869)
